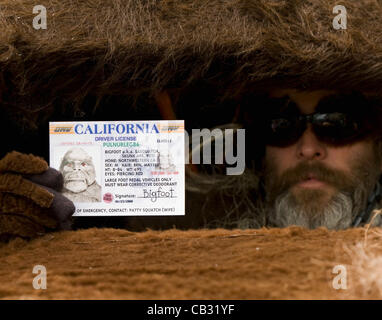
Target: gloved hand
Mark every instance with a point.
(30, 204)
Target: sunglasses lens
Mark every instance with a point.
(333, 128)
(336, 128)
(283, 131)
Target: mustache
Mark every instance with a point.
(77, 176)
(304, 171)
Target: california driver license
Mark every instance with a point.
(121, 168)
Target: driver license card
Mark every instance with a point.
(121, 168)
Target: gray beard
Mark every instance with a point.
(338, 213)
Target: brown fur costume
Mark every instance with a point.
(129, 47)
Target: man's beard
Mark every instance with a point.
(312, 208)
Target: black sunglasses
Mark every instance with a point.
(335, 128)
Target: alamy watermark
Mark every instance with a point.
(40, 20)
(223, 141)
(340, 20)
(40, 281)
(340, 280)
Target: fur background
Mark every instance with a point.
(97, 48)
(290, 263)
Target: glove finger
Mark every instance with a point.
(61, 208)
(51, 178)
(23, 163)
(16, 184)
(11, 203)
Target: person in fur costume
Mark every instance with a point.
(279, 69)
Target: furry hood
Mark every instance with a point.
(99, 48)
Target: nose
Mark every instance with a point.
(76, 166)
(309, 147)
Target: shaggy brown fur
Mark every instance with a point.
(130, 46)
(23, 163)
(16, 184)
(13, 204)
(28, 209)
(204, 264)
(19, 226)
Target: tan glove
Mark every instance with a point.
(30, 202)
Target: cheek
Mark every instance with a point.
(67, 169)
(279, 158)
(89, 170)
(343, 158)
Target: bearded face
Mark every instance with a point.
(164, 160)
(310, 182)
(78, 170)
(333, 205)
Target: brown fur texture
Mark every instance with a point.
(194, 264)
(16, 184)
(25, 203)
(13, 204)
(131, 46)
(23, 163)
(19, 226)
